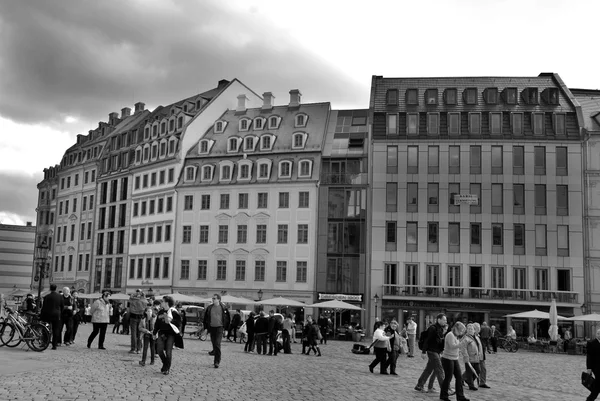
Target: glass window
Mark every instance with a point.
(392, 124)
(412, 123)
(475, 159)
(413, 159)
(537, 120)
(454, 159)
(559, 124)
(392, 160)
(474, 123)
(433, 159)
(411, 233)
(496, 123)
(433, 122)
(454, 234)
(561, 161)
(391, 197)
(454, 123)
(497, 159)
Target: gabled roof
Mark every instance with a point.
(589, 99)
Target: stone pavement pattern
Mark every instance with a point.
(78, 373)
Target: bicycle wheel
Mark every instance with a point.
(9, 335)
(37, 337)
(243, 338)
(203, 335)
(514, 347)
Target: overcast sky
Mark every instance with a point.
(66, 64)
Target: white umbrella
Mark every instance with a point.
(119, 297)
(90, 296)
(177, 297)
(534, 314)
(592, 317)
(553, 330)
(280, 301)
(230, 299)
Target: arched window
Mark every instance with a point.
(305, 168)
(285, 169)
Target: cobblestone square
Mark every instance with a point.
(78, 373)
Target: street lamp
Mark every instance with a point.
(260, 294)
(150, 293)
(43, 268)
(376, 299)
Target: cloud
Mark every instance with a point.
(18, 198)
(84, 59)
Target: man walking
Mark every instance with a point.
(482, 349)
(137, 307)
(485, 337)
(432, 348)
(494, 338)
(216, 317)
(273, 330)
(411, 332)
(51, 313)
(236, 321)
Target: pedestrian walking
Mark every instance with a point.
(117, 317)
(566, 338)
(470, 356)
(77, 314)
(67, 316)
(411, 332)
(381, 345)
(285, 334)
(137, 306)
(394, 337)
(100, 318)
(236, 321)
(482, 359)
(148, 337)
(432, 348)
(167, 326)
(274, 327)
(450, 363)
(52, 312)
(494, 334)
(485, 335)
(310, 336)
(323, 328)
(216, 318)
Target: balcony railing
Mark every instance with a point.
(420, 291)
(345, 179)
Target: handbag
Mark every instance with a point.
(319, 335)
(587, 380)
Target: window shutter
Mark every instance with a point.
(464, 95)
(525, 95)
(544, 96)
(444, 99)
(485, 96)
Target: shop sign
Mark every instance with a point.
(466, 199)
(424, 304)
(341, 297)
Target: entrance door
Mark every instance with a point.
(475, 279)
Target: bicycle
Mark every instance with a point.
(201, 333)
(509, 345)
(35, 335)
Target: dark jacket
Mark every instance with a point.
(163, 327)
(68, 313)
(250, 325)
(274, 325)
(52, 308)
(435, 339)
(592, 360)
(226, 319)
(261, 325)
(236, 321)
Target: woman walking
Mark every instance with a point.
(381, 344)
(451, 364)
(100, 318)
(168, 325)
(469, 352)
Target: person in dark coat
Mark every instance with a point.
(592, 363)
(67, 316)
(168, 325)
(261, 329)
(236, 321)
(216, 318)
(249, 346)
(51, 313)
(274, 326)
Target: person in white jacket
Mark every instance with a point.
(411, 332)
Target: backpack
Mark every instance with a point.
(422, 339)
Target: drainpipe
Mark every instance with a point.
(586, 223)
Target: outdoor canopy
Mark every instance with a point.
(535, 314)
(592, 317)
(280, 301)
(229, 299)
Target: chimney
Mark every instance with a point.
(139, 107)
(222, 83)
(295, 97)
(113, 118)
(241, 103)
(29, 224)
(125, 112)
(268, 99)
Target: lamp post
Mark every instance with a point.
(583, 312)
(42, 271)
(150, 293)
(260, 294)
(376, 299)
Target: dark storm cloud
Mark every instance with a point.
(18, 194)
(87, 58)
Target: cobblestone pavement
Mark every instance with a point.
(78, 373)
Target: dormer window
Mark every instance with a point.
(226, 173)
(431, 97)
(249, 144)
(244, 124)
(204, 146)
(155, 130)
(233, 144)
(470, 96)
(305, 169)
(163, 128)
(185, 108)
(285, 169)
(163, 148)
(264, 169)
(180, 122)
(190, 173)
(412, 97)
(530, 95)
(146, 152)
(450, 96)
(550, 96)
(266, 142)
(146, 133)
(172, 146)
(207, 173)
(154, 151)
(391, 97)
(510, 95)
(171, 125)
(244, 170)
(220, 127)
(259, 123)
(490, 95)
(298, 140)
(274, 122)
(301, 120)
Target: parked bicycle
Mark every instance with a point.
(509, 345)
(15, 329)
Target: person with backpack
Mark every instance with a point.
(431, 343)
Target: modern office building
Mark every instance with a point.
(590, 110)
(247, 201)
(343, 260)
(477, 198)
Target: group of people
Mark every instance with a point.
(62, 311)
